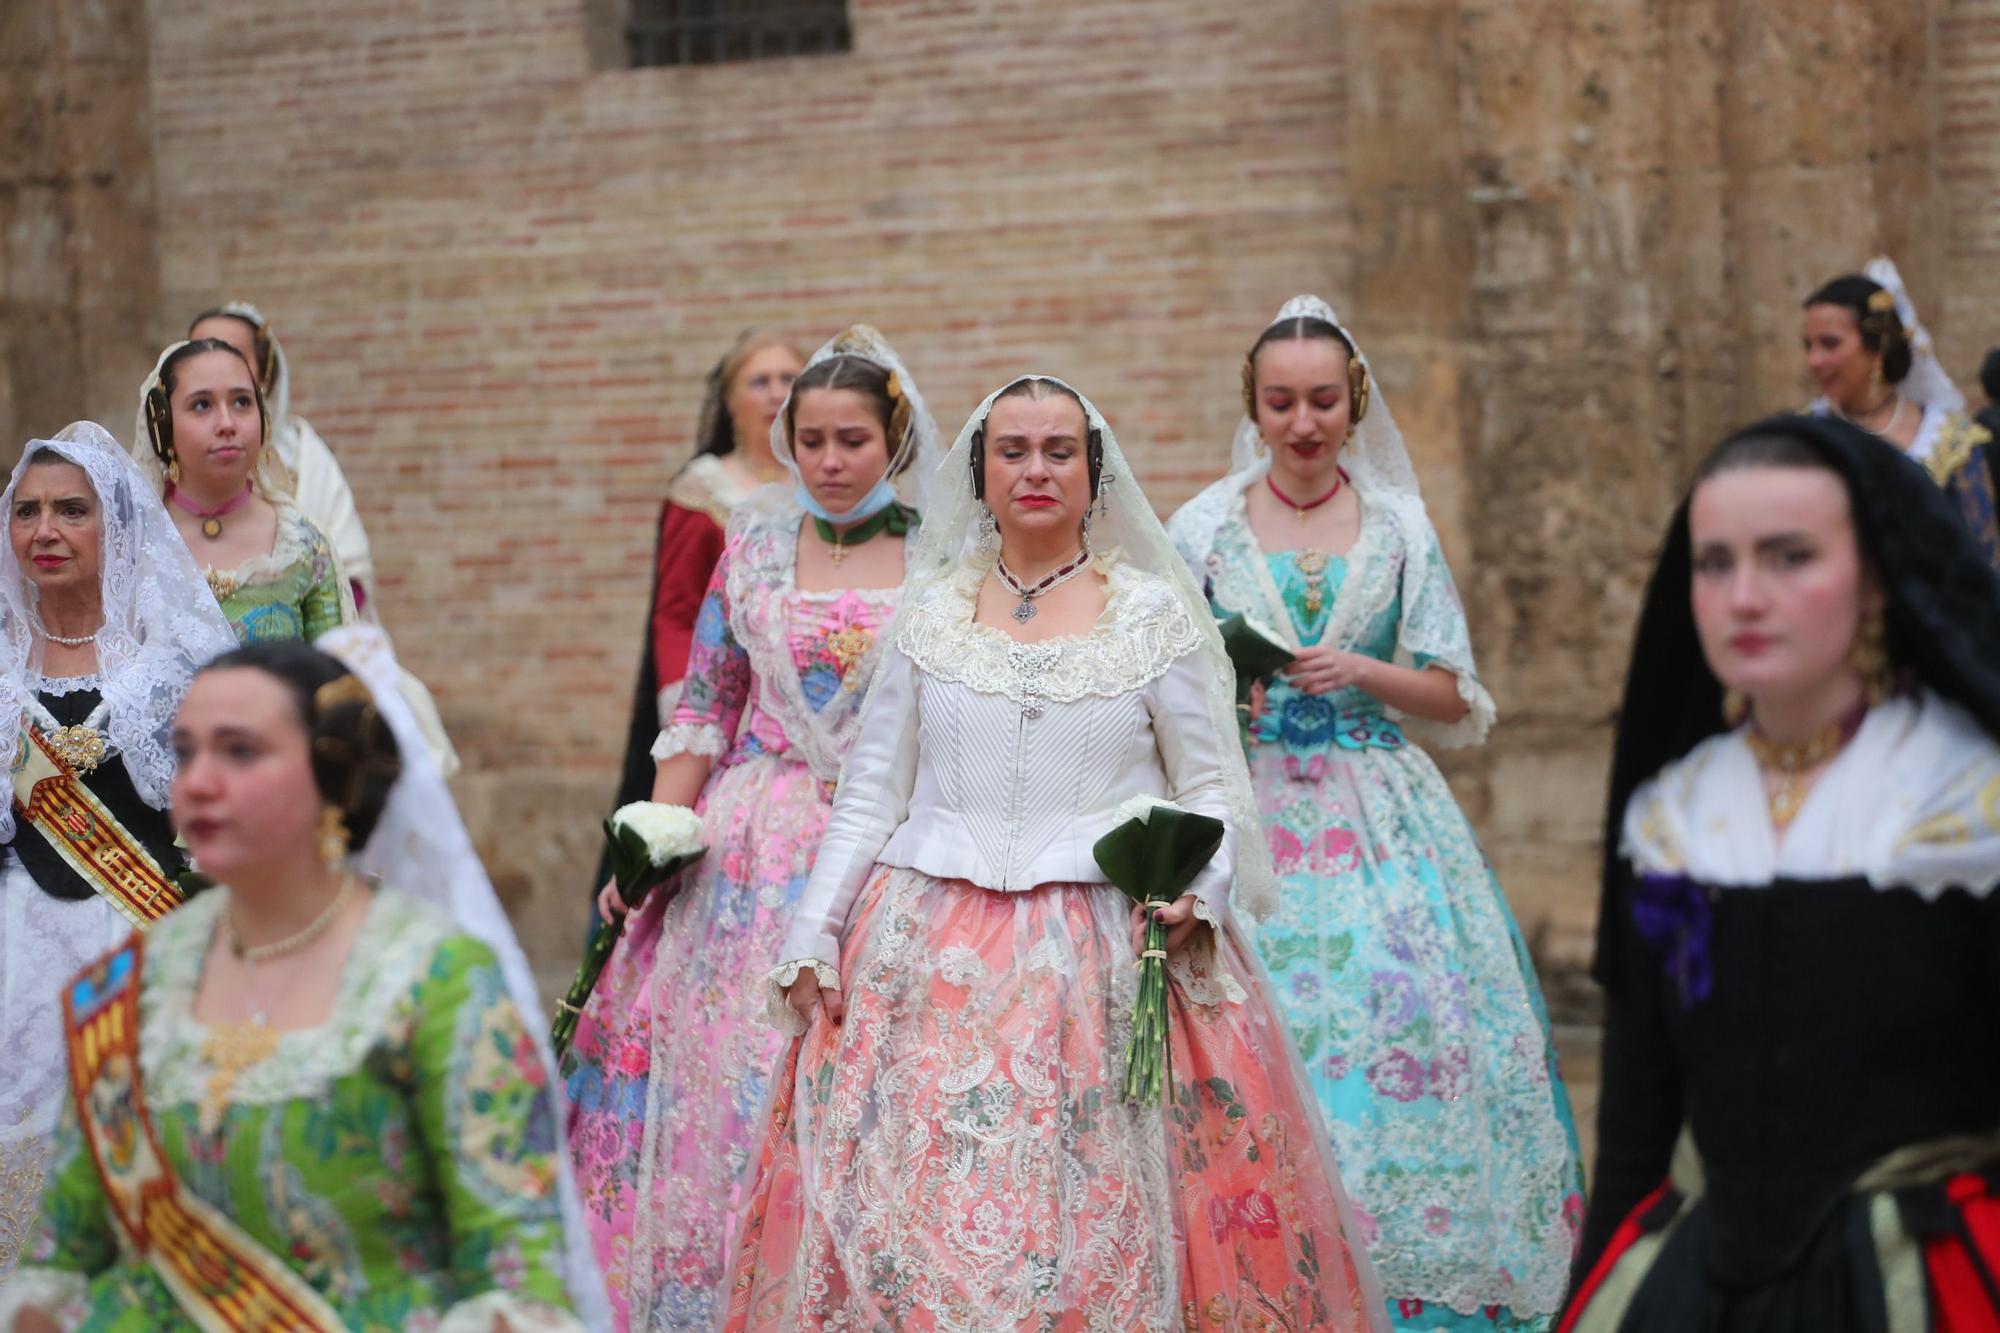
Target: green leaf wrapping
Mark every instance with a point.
(1156, 858)
(1255, 655)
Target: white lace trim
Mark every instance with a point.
(53, 1291)
(1145, 628)
(778, 1012)
(61, 686)
(689, 738)
(483, 1313)
(395, 943)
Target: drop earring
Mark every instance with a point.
(333, 838)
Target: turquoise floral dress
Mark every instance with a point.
(401, 1157)
(1393, 954)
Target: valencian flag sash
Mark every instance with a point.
(223, 1279)
(49, 794)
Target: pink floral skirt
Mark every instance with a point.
(956, 1154)
(671, 1065)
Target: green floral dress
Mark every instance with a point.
(400, 1157)
(296, 592)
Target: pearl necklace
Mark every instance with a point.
(53, 637)
(1888, 427)
(1026, 610)
(263, 953)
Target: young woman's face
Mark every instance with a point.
(243, 793)
(1037, 473)
(758, 394)
(1780, 586)
(1841, 365)
(217, 427)
(56, 527)
(1304, 405)
(839, 445)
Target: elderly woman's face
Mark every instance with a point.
(758, 394)
(1037, 470)
(56, 527)
(1779, 582)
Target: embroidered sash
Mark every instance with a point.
(223, 1279)
(84, 832)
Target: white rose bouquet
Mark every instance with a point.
(1153, 854)
(650, 843)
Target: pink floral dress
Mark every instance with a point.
(670, 1066)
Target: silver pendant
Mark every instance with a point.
(1025, 611)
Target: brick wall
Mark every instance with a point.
(501, 275)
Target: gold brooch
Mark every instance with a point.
(81, 749)
(847, 648)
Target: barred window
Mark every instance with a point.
(715, 32)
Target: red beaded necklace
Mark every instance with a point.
(1299, 510)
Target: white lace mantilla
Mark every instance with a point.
(1145, 628)
(396, 942)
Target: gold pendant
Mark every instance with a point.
(80, 748)
(224, 586)
(211, 528)
(231, 1052)
(839, 554)
(1312, 564)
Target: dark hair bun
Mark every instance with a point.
(1874, 310)
(355, 759)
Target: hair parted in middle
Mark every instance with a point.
(1036, 388)
(1296, 329)
(160, 400)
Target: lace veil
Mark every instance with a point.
(916, 453)
(1377, 461)
(161, 622)
(1123, 529)
(421, 848)
(1926, 385)
(274, 482)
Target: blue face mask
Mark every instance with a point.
(873, 503)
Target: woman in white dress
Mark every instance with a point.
(948, 1147)
(103, 620)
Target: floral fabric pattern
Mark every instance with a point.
(956, 1154)
(671, 1064)
(400, 1157)
(1394, 956)
(294, 593)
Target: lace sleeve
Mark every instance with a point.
(1433, 633)
(870, 804)
(717, 686)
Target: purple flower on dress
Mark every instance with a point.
(1305, 986)
(1393, 999)
(1398, 1076)
(1673, 915)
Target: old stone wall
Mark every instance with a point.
(78, 268)
(1572, 233)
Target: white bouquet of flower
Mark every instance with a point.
(650, 843)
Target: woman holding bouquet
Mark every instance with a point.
(1399, 966)
(670, 1063)
(950, 1148)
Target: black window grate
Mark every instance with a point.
(715, 32)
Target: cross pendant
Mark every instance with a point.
(1025, 611)
(839, 554)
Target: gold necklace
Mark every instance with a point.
(1791, 761)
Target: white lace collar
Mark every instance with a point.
(395, 943)
(58, 686)
(1142, 631)
(1912, 802)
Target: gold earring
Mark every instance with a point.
(1869, 658)
(173, 469)
(1735, 707)
(333, 838)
